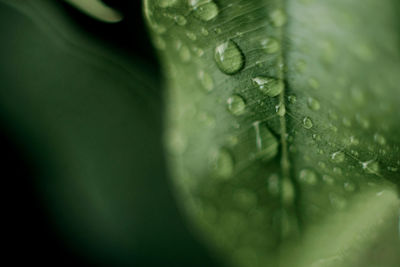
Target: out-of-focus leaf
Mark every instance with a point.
(91, 119)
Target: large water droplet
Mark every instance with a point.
(292, 99)
(308, 176)
(236, 105)
(269, 86)
(313, 104)
(338, 157)
(223, 164)
(204, 10)
(229, 57)
(307, 123)
(278, 18)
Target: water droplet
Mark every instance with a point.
(269, 86)
(338, 157)
(270, 45)
(204, 11)
(362, 121)
(328, 179)
(191, 35)
(166, 3)
(349, 186)
(180, 20)
(354, 141)
(314, 84)
(159, 43)
(206, 81)
(307, 123)
(292, 99)
(229, 57)
(280, 110)
(223, 164)
(313, 104)
(337, 170)
(371, 166)
(184, 54)
(288, 191)
(379, 139)
(204, 31)
(301, 66)
(266, 143)
(308, 176)
(278, 18)
(236, 105)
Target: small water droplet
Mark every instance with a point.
(371, 166)
(266, 143)
(288, 191)
(349, 186)
(204, 31)
(180, 20)
(223, 164)
(236, 105)
(314, 84)
(206, 81)
(191, 35)
(159, 43)
(166, 3)
(292, 99)
(204, 11)
(229, 57)
(307, 123)
(337, 170)
(338, 157)
(301, 66)
(184, 54)
(269, 86)
(328, 179)
(362, 121)
(278, 18)
(280, 110)
(313, 104)
(354, 141)
(270, 45)
(380, 139)
(308, 176)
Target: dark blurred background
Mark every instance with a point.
(80, 133)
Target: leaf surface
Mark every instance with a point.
(283, 117)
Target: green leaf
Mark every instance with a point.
(283, 117)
